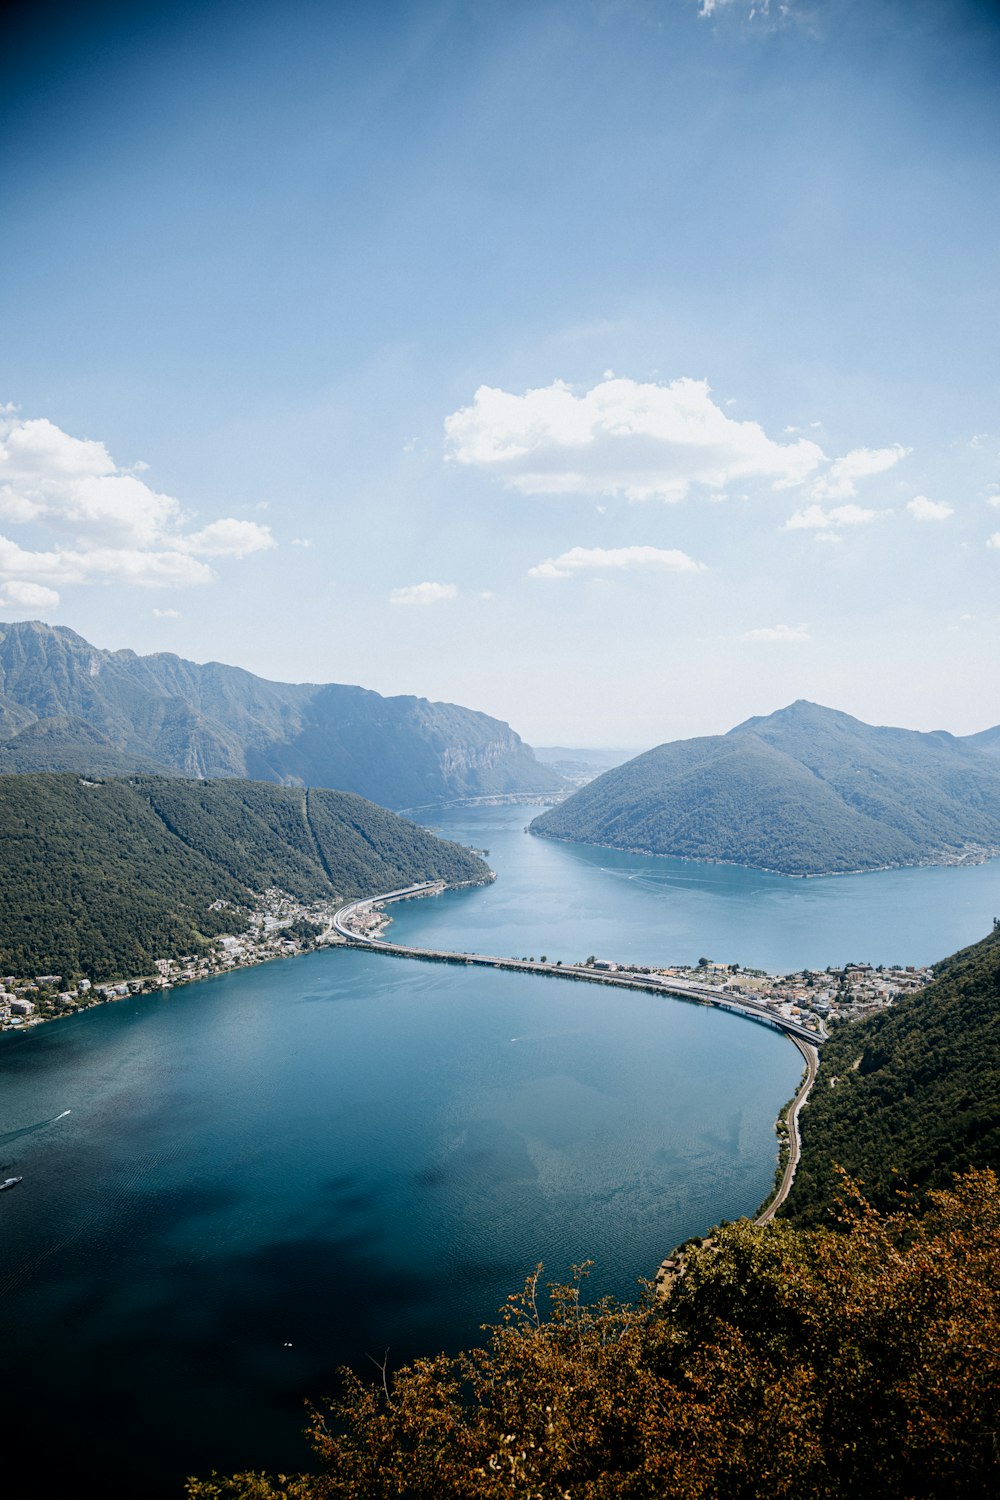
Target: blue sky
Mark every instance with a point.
(620, 367)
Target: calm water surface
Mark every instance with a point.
(266, 1175)
(568, 901)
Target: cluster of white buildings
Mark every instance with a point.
(28, 1001)
(827, 994)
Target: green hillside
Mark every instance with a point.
(910, 1096)
(66, 705)
(102, 877)
(806, 791)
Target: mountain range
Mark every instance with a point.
(65, 705)
(804, 791)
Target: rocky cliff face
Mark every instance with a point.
(65, 705)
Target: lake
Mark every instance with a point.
(288, 1168)
(571, 900)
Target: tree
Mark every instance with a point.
(783, 1363)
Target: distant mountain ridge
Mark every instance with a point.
(803, 791)
(66, 705)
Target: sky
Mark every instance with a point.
(621, 368)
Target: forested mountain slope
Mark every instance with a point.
(65, 705)
(910, 1096)
(804, 791)
(100, 878)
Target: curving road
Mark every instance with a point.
(811, 1054)
(808, 1042)
(684, 989)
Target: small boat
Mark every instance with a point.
(10, 1182)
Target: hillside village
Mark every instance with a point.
(281, 927)
(810, 996)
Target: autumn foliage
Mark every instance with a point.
(862, 1359)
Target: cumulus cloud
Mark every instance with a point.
(814, 516)
(228, 538)
(129, 565)
(106, 523)
(922, 509)
(167, 614)
(579, 559)
(993, 542)
(622, 437)
(423, 593)
(777, 633)
(28, 596)
(841, 480)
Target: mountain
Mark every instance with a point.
(804, 791)
(577, 767)
(910, 1096)
(65, 705)
(101, 878)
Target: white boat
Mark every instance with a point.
(10, 1182)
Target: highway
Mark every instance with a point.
(683, 989)
(808, 1042)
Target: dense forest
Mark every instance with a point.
(805, 791)
(102, 877)
(911, 1095)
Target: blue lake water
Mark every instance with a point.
(568, 901)
(267, 1175)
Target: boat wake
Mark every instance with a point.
(13, 1135)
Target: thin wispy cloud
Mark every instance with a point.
(841, 480)
(424, 593)
(814, 517)
(584, 559)
(777, 633)
(106, 524)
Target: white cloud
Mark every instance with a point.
(993, 495)
(228, 538)
(106, 523)
(839, 515)
(623, 437)
(841, 479)
(994, 541)
(423, 593)
(167, 614)
(922, 509)
(28, 596)
(301, 541)
(102, 564)
(578, 559)
(777, 633)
